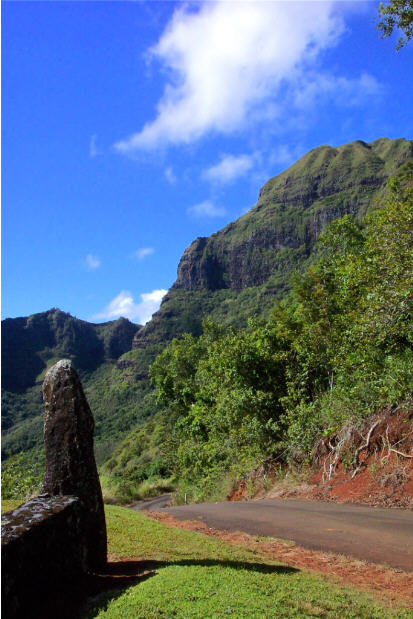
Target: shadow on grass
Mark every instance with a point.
(93, 593)
(130, 567)
(119, 575)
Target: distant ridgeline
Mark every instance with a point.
(235, 273)
(30, 345)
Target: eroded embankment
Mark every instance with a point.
(370, 464)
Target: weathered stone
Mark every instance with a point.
(41, 552)
(70, 462)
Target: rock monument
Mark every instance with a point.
(70, 462)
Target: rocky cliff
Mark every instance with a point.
(256, 254)
(291, 211)
(28, 344)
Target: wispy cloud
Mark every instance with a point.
(227, 60)
(142, 252)
(91, 262)
(206, 209)
(93, 149)
(283, 154)
(229, 168)
(124, 305)
(268, 162)
(347, 92)
(170, 176)
(259, 165)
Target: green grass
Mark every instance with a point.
(196, 576)
(190, 575)
(9, 504)
(114, 493)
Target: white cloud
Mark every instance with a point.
(206, 209)
(92, 262)
(229, 168)
(124, 305)
(258, 165)
(228, 61)
(170, 176)
(142, 252)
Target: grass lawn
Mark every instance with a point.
(201, 577)
(189, 575)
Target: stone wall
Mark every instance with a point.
(41, 552)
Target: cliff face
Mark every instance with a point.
(32, 343)
(292, 209)
(251, 259)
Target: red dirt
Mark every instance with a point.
(388, 483)
(239, 493)
(381, 476)
(392, 586)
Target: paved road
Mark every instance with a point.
(153, 505)
(373, 534)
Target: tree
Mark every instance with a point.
(397, 14)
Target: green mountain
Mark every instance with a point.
(238, 271)
(231, 275)
(30, 345)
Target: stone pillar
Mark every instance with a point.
(70, 461)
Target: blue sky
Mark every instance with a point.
(131, 128)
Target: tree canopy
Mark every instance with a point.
(396, 14)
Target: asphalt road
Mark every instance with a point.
(153, 505)
(373, 534)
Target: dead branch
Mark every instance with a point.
(400, 453)
(355, 472)
(386, 444)
(403, 438)
(334, 456)
(366, 444)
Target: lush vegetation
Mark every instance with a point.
(198, 576)
(22, 475)
(232, 278)
(9, 504)
(335, 350)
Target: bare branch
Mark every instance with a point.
(366, 444)
(400, 453)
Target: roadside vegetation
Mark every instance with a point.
(333, 352)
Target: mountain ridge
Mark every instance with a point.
(262, 247)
